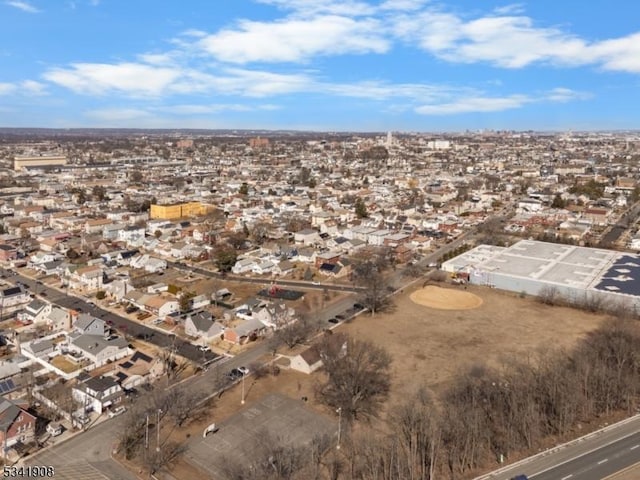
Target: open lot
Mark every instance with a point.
(283, 417)
(429, 346)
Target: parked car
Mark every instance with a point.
(54, 429)
(235, 374)
(520, 477)
(117, 411)
(358, 306)
(340, 317)
(333, 320)
(204, 348)
(243, 370)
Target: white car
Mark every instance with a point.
(243, 370)
(117, 411)
(205, 348)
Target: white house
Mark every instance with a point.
(202, 325)
(35, 311)
(100, 350)
(98, 393)
(243, 266)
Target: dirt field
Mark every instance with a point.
(429, 346)
(445, 298)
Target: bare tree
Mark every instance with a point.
(297, 332)
(358, 376)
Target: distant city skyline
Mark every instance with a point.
(349, 65)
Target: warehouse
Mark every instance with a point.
(530, 266)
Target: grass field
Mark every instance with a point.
(429, 346)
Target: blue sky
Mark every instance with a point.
(360, 65)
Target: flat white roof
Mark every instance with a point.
(547, 262)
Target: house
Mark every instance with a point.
(39, 349)
(276, 315)
(243, 266)
(125, 257)
(263, 267)
(13, 299)
(327, 257)
(16, 424)
(8, 253)
(59, 319)
(89, 325)
(285, 267)
(306, 255)
(307, 237)
(87, 278)
(202, 325)
(161, 305)
(35, 311)
(118, 288)
(138, 369)
(97, 393)
(200, 301)
(307, 361)
(131, 235)
(54, 267)
(244, 331)
(97, 225)
(98, 349)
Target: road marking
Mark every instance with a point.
(634, 447)
(568, 476)
(603, 461)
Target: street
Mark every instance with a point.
(592, 457)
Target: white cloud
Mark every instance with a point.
(475, 105)
(403, 5)
(511, 9)
(509, 40)
(563, 95)
(133, 79)
(24, 6)
(315, 7)
(32, 87)
(117, 115)
(481, 103)
(25, 87)
(204, 109)
(7, 88)
(295, 40)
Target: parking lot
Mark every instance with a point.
(282, 417)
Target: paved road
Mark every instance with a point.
(130, 327)
(626, 220)
(592, 458)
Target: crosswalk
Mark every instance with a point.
(76, 471)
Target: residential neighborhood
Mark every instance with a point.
(142, 262)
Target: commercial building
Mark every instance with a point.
(179, 210)
(31, 161)
(575, 273)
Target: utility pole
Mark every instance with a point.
(146, 435)
(339, 410)
(158, 432)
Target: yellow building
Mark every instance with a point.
(179, 210)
